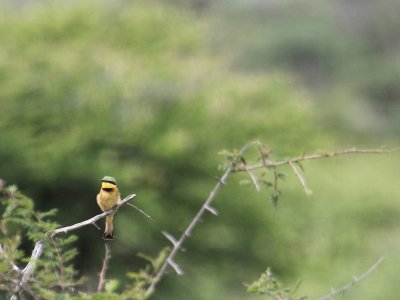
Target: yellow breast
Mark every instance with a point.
(108, 199)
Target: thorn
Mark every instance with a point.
(175, 266)
(170, 238)
(95, 225)
(211, 210)
(220, 180)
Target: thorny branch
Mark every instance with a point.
(273, 164)
(26, 273)
(177, 244)
(355, 280)
(237, 165)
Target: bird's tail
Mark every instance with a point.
(109, 231)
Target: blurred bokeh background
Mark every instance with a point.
(150, 91)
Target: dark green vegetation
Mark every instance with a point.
(150, 92)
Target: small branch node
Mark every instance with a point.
(220, 180)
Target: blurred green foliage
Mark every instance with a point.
(149, 92)
(20, 222)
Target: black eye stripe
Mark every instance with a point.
(108, 181)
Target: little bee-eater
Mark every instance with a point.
(107, 198)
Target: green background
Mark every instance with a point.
(150, 91)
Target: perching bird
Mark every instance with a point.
(107, 198)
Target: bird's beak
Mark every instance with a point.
(107, 185)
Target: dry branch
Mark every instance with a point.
(103, 272)
(91, 221)
(177, 244)
(273, 164)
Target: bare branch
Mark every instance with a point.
(102, 275)
(178, 244)
(28, 270)
(26, 273)
(301, 179)
(90, 221)
(355, 280)
(353, 150)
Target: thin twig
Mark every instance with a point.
(253, 178)
(102, 275)
(301, 179)
(26, 273)
(353, 150)
(355, 280)
(61, 265)
(140, 210)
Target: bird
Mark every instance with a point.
(107, 198)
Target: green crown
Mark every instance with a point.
(109, 179)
